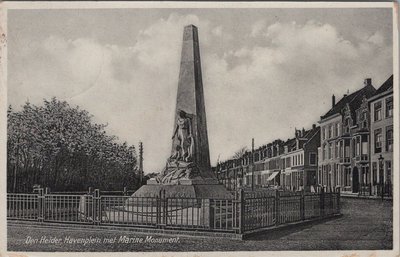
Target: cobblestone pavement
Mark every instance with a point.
(365, 225)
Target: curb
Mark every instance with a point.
(155, 231)
(141, 230)
(365, 197)
(290, 225)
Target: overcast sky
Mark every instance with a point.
(265, 71)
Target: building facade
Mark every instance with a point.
(291, 165)
(299, 162)
(344, 151)
(352, 149)
(381, 147)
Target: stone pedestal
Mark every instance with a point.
(206, 191)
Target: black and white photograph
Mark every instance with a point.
(199, 127)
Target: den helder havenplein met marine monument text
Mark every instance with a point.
(98, 240)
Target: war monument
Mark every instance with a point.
(187, 172)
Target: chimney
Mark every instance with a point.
(303, 132)
(333, 101)
(313, 126)
(367, 82)
(346, 93)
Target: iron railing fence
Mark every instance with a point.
(381, 189)
(245, 212)
(283, 208)
(384, 189)
(23, 206)
(365, 189)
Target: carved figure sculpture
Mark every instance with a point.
(183, 131)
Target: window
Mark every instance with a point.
(341, 149)
(389, 107)
(378, 111)
(323, 133)
(347, 151)
(358, 146)
(378, 140)
(364, 148)
(323, 152)
(313, 159)
(389, 139)
(364, 120)
(288, 162)
(337, 129)
(336, 149)
(347, 178)
(330, 151)
(330, 132)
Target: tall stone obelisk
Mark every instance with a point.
(187, 172)
(190, 97)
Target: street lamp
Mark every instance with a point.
(381, 173)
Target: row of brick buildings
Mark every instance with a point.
(351, 149)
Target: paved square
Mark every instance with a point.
(365, 225)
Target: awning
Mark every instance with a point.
(273, 176)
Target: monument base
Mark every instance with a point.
(189, 190)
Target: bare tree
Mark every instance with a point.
(239, 154)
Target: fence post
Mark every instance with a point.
(242, 206)
(41, 198)
(277, 208)
(302, 206)
(161, 212)
(161, 209)
(338, 199)
(125, 193)
(322, 202)
(164, 213)
(158, 209)
(96, 205)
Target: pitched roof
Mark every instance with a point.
(290, 142)
(354, 100)
(386, 86)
